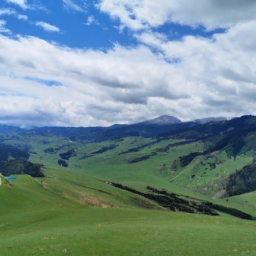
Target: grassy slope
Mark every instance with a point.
(57, 214)
(36, 221)
(61, 188)
(71, 213)
(155, 171)
(245, 202)
(128, 232)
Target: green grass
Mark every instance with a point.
(245, 202)
(207, 180)
(72, 211)
(128, 232)
(156, 171)
(66, 189)
(67, 213)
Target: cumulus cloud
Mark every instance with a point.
(47, 27)
(43, 83)
(191, 78)
(143, 14)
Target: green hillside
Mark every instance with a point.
(127, 196)
(182, 162)
(129, 232)
(62, 188)
(45, 217)
(199, 166)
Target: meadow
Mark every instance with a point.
(75, 210)
(49, 216)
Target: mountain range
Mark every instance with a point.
(148, 128)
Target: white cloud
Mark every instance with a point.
(22, 17)
(33, 5)
(192, 78)
(8, 11)
(47, 27)
(3, 29)
(21, 3)
(142, 14)
(91, 20)
(70, 5)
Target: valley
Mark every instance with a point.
(154, 188)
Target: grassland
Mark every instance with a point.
(203, 177)
(74, 211)
(37, 220)
(128, 232)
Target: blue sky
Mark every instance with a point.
(86, 63)
(80, 26)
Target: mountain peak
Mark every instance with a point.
(164, 119)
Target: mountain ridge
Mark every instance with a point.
(162, 120)
(146, 129)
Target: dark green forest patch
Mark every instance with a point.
(19, 166)
(175, 202)
(68, 154)
(242, 181)
(62, 163)
(104, 149)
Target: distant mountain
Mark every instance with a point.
(163, 120)
(6, 129)
(149, 128)
(235, 125)
(210, 119)
(114, 126)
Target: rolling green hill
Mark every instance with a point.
(209, 159)
(72, 214)
(125, 196)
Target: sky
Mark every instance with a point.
(101, 62)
